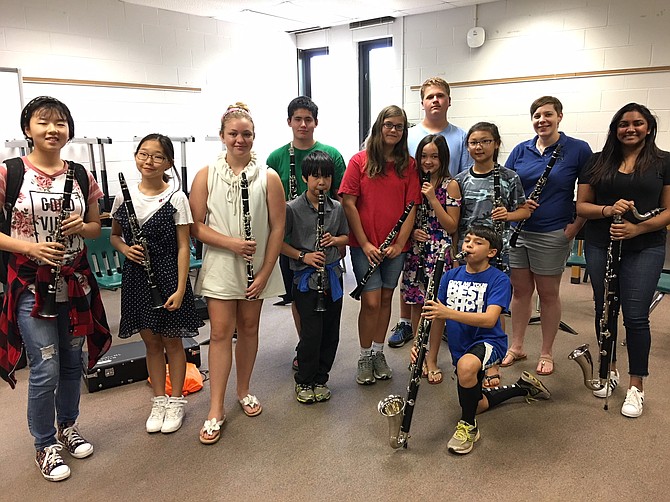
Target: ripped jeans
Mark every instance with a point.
(54, 358)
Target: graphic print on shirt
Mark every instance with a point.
(466, 296)
(46, 208)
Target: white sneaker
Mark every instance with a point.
(155, 420)
(632, 406)
(174, 414)
(614, 381)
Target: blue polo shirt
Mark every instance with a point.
(556, 201)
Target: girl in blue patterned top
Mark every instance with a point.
(441, 211)
(164, 216)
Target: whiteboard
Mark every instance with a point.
(11, 104)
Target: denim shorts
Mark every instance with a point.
(387, 273)
(543, 253)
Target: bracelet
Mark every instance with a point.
(603, 212)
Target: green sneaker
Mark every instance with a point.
(464, 438)
(304, 393)
(322, 392)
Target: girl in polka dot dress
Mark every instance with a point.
(164, 217)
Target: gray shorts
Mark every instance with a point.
(387, 274)
(543, 253)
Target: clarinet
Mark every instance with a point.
(498, 225)
(246, 220)
(292, 179)
(610, 317)
(535, 194)
(422, 220)
(139, 238)
(356, 293)
(321, 271)
(394, 407)
(49, 308)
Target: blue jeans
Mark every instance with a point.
(387, 274)
(54, 358)
(638, 276)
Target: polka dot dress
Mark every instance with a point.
(136, 312)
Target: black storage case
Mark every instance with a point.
(126, 363)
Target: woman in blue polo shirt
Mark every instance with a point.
(544, 244)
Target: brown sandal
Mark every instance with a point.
(515, 357)
(486, 383)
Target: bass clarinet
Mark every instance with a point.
(321, 271)
(49, 308)
(246, 222)
(498, 225)
(399, 411)
(139, 238)
(535, 194)
(356, 293)
(610, 317)
(292, 178)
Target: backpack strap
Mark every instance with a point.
(81, 176)
(15, 172)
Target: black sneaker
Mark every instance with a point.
(536, 389)
(51, 463)
(71, 440)
(400, 335)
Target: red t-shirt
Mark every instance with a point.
(380, 200)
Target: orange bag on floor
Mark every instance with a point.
(192, 382)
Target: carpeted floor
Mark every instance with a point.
(567, 448)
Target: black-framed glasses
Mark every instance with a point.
(156, 157)
(391, 125)
(484, 142)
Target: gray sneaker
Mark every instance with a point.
(365, 374)
(304, 393)
(381, 368)
(464, 438)
(322, 392)
(536, 389)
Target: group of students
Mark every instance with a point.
(245, 213)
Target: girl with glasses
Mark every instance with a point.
(164, 218)
(377, 186)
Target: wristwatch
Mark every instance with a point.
(301, 257)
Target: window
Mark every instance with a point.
(375, 58)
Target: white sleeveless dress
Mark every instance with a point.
(224, 274)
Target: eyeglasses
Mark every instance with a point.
(157, 157)
(391, 125)
(484, 142)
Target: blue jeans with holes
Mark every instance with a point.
(638, 277)
(54, 358)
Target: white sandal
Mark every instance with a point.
(212, 427)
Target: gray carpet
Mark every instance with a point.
(567, 448)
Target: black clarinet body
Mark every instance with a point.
(246, 222)
(292, 178)
(498, 225)
(356, 293)
(321, 271)
(537, 191)
(422, 223)
(49, 308)
(138, 238)
(393, 407)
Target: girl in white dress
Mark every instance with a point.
(216, 204)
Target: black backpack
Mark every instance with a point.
(14, 180)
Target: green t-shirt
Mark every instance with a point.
(279, 160)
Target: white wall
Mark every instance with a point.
(108, 40)
(524, 38)
(537, 37)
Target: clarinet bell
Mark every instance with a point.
(320, 304)
(156, 298)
